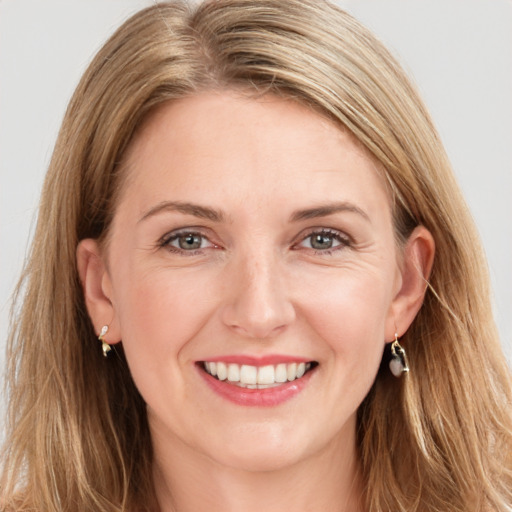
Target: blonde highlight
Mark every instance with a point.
(439, 439)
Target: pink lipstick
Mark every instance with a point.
(257, 381)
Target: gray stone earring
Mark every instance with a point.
(104, 345)
(398, 364)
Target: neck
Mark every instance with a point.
(328, 480)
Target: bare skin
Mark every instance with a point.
(253, 228)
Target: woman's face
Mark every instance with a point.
(253, 241)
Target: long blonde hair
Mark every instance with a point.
(438, 440)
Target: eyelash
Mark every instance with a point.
(344, 241)
(166, 240)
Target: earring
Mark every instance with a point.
(398, 363)
(104, 345)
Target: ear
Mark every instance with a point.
(415, 267)
(97, 289)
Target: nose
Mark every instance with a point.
(258, 304)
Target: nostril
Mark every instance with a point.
(257, 331)
(258, 306)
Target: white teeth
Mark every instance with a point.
(291, 371)
(266, 375)
(248, 374)
(280, 373)
(222, 372)
(233, 373)
(257, 377)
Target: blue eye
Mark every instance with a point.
(325, 241)
(186, 241)
(321, 241)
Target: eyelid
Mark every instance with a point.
(318, 230)
(344, 239)
(165, 240)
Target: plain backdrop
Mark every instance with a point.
(459, 52)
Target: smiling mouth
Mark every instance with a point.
(257, 377)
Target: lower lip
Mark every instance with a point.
(267, 397)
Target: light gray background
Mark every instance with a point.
(458, 51)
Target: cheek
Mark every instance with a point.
(349, 302)
(159, 314)
(161, 310)
(349, 315)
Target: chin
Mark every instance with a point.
(260, 461)
(261, 449)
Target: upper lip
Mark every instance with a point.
(259, 360)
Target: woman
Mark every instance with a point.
(254, 284)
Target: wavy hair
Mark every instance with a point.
(78, 439)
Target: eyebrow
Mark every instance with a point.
(203, 212)
(328, 209)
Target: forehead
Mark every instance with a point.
(225, 142)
